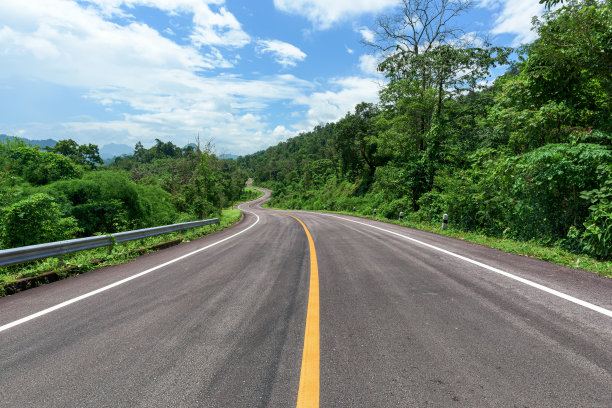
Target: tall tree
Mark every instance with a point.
(355, 140)
(427, 62)
(86, 155)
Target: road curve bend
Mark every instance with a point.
(405, 318)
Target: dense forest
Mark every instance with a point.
(527, 157)
(64, 192)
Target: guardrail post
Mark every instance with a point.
(445, 221)
(60, 260)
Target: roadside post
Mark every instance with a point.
(445, 221)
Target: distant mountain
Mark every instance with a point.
(114, 150)
(40, 143)
(228, 156)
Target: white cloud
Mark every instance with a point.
(156, 87)
(170, 88)
(283, 53)
(349, 50)
(367, 34)
(281, 133)
(210, 28)
(220, 29)
(324, 13)
(469, 39)
(369, 65)
(489, 4)
(514, 17)
(333, 104)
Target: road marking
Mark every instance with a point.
(112, 285)
(308, 392)
(543, 288)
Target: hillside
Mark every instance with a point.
(528, 157)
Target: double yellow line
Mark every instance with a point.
(308, 393)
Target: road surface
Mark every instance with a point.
(401, 318)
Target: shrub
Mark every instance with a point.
(596, 239)
(101, 216)
(38, 167)
(546, 186)
(115, 185)
(34, 220)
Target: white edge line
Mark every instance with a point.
(112, 285)
(543, 288)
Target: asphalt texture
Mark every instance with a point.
(401, 325)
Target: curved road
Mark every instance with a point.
(405, 319)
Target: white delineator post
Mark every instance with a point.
(445, 221)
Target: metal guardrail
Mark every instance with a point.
(15, 256)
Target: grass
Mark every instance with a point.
(249, 194)
(84, 261)
(531, 249)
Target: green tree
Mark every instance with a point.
(86, 155)
(39, 167)
(355, 141)
(564, 86)
(34, 220)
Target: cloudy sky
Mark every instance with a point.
(244, 74)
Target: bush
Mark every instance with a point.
(392, 209)
(74, 192)
(101, 216)
(115, 185)
(159, 205)
(546, 186)
(596, 239)
(470, 199)
(38, 167)
(34, 220)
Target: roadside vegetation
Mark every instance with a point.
(64, 192)
(250, 194)
(83, 261)
(523, 164)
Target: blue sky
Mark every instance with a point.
(244, 74)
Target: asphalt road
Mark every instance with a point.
(401, 324)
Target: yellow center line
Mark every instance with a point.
(308, 393)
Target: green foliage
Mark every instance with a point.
(86, 155)
(165, 184)
(596, 239)
(546, 186)
(116, 185)
(37, 167)
(35, 220)
(526, 158)
(100, 217)
(355, 141)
